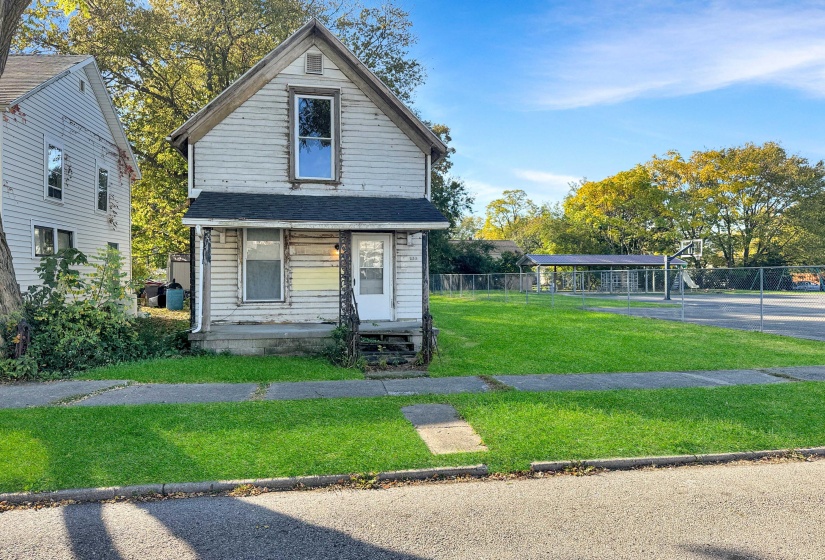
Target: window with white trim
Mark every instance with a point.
(102, 188)
(314, 137)
(48, 240)
(263, 271)
(53, 170)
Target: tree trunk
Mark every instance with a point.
(10, 298)
(10, 13)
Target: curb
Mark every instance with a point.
(669, 460)
(215, 486)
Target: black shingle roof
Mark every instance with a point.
(304, 208)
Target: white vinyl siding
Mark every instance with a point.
(249, 150)
(74, 120)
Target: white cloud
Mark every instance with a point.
(540, 186)
(671, 52)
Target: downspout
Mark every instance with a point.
(199, 300)
(428, 178)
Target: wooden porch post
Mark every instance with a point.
(347, 306)
(427, 333)
(193, 297)
(206, 296)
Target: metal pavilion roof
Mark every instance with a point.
(596, 260)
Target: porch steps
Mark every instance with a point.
(390, 348)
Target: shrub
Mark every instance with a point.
(81, 321)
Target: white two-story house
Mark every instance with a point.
(66, 167)
(309, 183)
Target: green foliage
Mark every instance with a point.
(80, 320)
(337, 352)
(165, 59)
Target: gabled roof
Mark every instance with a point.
(295, 210)
(26, 74)
(596, 260)
(312, 33)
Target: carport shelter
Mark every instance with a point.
(587, 261)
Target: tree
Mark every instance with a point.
(165, 59)
(468, 228)
(514, 217)
(626, 212)
(452, 199)
(741, 199)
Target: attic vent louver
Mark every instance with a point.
(314, 63)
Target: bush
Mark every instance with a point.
(81, 321)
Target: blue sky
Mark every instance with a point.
(539, 94)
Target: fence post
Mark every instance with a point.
(761, 299)
(682, 291)
(488, 286)
(627, 279)
(474, 286)
(505, 287)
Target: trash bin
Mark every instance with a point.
(174, 296)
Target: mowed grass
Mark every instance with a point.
(489, 337)
(63, 447)
(483, 337)
(225, 369)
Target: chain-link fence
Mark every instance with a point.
(781, 300)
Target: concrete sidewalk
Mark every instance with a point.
(103, 393)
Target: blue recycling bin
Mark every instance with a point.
(174, 299)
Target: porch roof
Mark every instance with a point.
(228, 209)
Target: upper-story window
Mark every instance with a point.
(315, 134)
(54, 170)
(102, 189)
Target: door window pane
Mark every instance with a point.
(43, 241)
(371, 267)
(55, 172)
(263, 264)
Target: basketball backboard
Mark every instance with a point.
(691, 247)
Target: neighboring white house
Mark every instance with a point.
(309, 183)
(66, 167)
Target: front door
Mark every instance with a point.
(372, 272)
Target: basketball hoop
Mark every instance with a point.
(690, 248)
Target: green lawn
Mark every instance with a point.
(62, 447)
(224, 369)
(479, 337)
(489, 337)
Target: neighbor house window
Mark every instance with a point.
(48, 240)
(54, 171)
(315, 134)
(102, 189)
(263, 265)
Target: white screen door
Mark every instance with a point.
(372, 273)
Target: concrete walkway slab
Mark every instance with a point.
(809, 373)
(438, 386)
(442, 429)
(22, 395)
(638, 380)
(325, 390)
(180, 393)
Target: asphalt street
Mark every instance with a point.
(756, 511)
